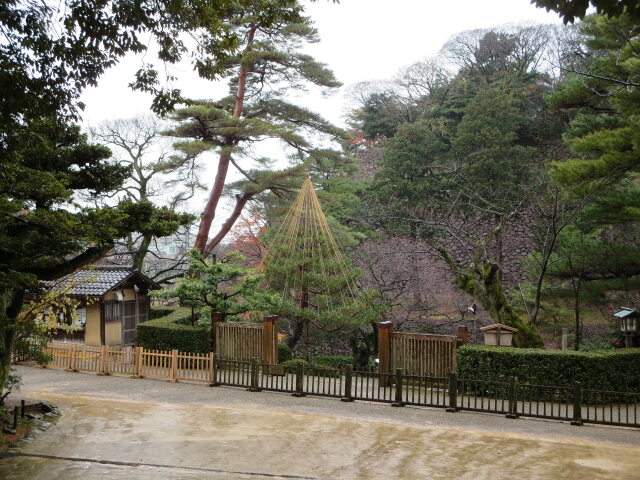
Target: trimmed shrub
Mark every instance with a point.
(332, 360)
(171, 333)
(614, 370)
(315, 369)
(295, 361)
(159, 312)
(284, 353)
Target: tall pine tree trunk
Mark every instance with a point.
(209, 211)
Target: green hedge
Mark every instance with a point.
(315, 369)
(617, 370)
(159, 312)
(170, 333)
(332, 360)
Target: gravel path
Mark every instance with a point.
(40, 383)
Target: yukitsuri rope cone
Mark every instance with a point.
(305, 265)
(305, 238)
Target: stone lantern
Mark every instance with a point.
(498, 334)
(628, 324)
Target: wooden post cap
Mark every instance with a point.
(384, 325)
(270, 318)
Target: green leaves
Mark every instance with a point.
(223, 286)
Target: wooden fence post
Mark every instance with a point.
(299, 381)
(212, 370)
(216, 317)
(513, 405)
(384, 352)
(463, 335)
(174, 366)
(71, 347)
(103, 360)
(453, 393)
(577, 404)
(137, 362)
(270, 339)
(398, 377)
(348, 380)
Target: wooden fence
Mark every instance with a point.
(137, 362)
(511, 398)
(246, 341)
(416, 354)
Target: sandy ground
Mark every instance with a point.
(116, 427)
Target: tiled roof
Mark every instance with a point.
(95, 281)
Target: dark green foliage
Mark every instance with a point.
(378, 116)
(159, 312)
(223, 286)
(570, 10)
(284, 353)
(440, 173)
(614, 370)
(333, 360)
(53, 50)
(295, 361)
(315, 369)
(11, 384)
(171, 333)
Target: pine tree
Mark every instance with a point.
(307, 269)
(268, 66)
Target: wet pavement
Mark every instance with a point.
(143, 429)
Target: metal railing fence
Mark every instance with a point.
(510, 398)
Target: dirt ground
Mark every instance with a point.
(143, 429)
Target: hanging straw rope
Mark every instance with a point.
(306, 235)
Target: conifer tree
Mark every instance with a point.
(604, 137)
(305, 266)
(269, 65)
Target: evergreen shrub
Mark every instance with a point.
(159, 312)
(315, 369)
(170, 333)
(284, 353)
(332, 360)
(613, 370)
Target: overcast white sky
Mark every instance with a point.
(360, 40)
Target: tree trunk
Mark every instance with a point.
(483, 283)
(241, 201)
(11, 300)
(577, 283)
(141, 253)
(209, 211)
(298, 328)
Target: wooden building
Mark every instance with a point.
(113, 301)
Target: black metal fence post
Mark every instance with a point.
(348, 380)
(299, 379)
(453, 393)
(398, 402)
(213, 370)
(254, 376)
(513, 399)
(577, 404)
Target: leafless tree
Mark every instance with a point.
(158, 176)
